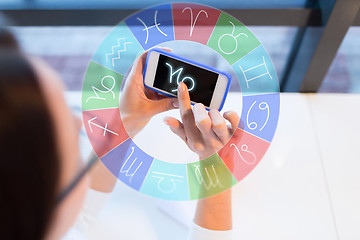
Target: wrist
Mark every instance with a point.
(133, 124)
(215, 212)
(207, 154)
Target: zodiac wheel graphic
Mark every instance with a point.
(216, 30)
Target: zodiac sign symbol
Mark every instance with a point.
(179, 72)
(96, 90)
(233, 37)
(192, 23)
(200, 178)
(173, 179)
(253, 125)
(126, 171)
(245, 148)
(155, 25)
(90, 122)
(119, 51)
(255, 69)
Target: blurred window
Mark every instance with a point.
(344, 73)
(142, 4)
(69, 49)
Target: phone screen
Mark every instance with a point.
(200, 82)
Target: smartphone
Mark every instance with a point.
(206, 85)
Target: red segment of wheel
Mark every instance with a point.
(105, 129)
(242, 153)
(194, 22)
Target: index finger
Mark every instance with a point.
(184, 98)
(187, 116)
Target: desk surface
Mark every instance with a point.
(306, 187)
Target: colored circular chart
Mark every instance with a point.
(216, 30)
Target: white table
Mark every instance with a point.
(306, 187)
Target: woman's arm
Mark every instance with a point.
(101, 179)
(215, 212)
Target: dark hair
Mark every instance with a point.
(29, 164)
(7, 39)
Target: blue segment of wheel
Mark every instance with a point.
(260, 115)
(118, 50)
(166, 181)
(152, 26)
(256, 73)
(129, 163)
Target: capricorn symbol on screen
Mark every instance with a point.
(179, 72)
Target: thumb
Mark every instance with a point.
(164, 105)
(140, 65)
(137, 68)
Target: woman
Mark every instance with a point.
(40, 156)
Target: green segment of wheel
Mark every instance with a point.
(101, 88)
(232, 39)
(208, 177)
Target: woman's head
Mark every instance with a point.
(39, 152)
(29, 166)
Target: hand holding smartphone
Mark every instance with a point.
(164, 71)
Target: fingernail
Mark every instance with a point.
(165, 120)
(167, 49)
(175, 104)
(216, 117)
(200, 113)
(181, 87)
(227, 113)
